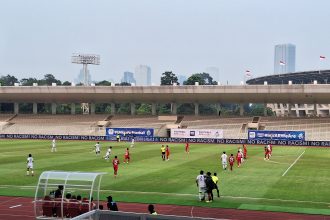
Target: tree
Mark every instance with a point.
(123, 84)
(66, 83)
(168, 78)
(103, 83)
(8, 80)
(144, 109)
(201, 78)
(28, 81)
(48, 80)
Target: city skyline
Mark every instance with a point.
(38, 37)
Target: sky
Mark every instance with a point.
(38, 37)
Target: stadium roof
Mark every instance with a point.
(307, 77)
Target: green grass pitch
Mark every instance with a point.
(257, 185)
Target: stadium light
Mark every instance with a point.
(85, 59)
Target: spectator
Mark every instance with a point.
(112, 205)
(58, 192)
(151, 209)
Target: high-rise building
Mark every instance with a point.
(81, 77)
(214, 73)
(285, 58)
(142, 75)
(181, 79)
(128, 77)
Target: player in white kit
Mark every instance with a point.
(108, 154)
(132, 143)
(97, 148)
(200, 181)
(29, 165)
(224, 160)
(54, 145)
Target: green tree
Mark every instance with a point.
(201, 78)
(8, 80)
(123, 84)
(66, 83)
(28, 81)
(144, 109)
(168, 78)
(103, 83)
(48, 80)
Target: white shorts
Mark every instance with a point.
(224, 162)
(29, 166)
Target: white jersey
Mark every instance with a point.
(53, 143)
(97, 147)
(224, 158)
(108, 153)
(201, 180)
(30, 162)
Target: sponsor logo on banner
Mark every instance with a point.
(197, 133)
(277, 135)
(136, 132)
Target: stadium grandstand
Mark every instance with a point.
(296, 109)
(233, 127)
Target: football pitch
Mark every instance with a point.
(296, 179)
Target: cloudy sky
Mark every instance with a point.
(38, 37)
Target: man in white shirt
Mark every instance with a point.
(29, 166)
(107, 154)
(200, 181)
(97, 148)
(132, 143)
(54, 145)
(224, 160)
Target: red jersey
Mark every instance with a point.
(115, 162)
(239, 156)
(231, 159)
(127, 153)
(167, 151)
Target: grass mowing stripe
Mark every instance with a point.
(293, 163)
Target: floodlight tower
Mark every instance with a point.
(85, 59)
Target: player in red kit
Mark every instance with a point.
(244, 151)
(239, 158)
(187, 147)
(267, 151)
(270, 150)
(126, 156)
(167, 152)
(115, 163)
(231, 161)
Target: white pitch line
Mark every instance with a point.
(293, 163)
(15, 206)
(191, 212)
(271, 161)
(195, 195)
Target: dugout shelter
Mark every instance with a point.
(52, 199)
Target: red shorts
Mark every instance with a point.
(231, 164)
(239, 160)
(115, 169)
(126, 157)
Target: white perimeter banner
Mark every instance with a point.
(197, 133)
